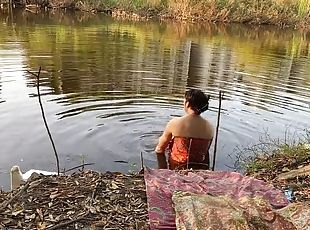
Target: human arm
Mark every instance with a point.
(163, 142)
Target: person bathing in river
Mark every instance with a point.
(188, 138)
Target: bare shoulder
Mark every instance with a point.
(209, 127)
(208, 123)
(174, 121)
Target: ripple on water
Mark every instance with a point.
(109, 88)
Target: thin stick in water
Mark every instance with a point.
(217, 128)
(79, 166)
(142, 163)
(44, 118)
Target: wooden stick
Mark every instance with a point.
(217, 128)
(79, 166)
(142, 163)
(142, 160)
(44, 118)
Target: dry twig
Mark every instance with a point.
(44, 118)
(89, 200)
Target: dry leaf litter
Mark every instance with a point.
(83, 200)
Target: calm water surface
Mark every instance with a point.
(109, 87)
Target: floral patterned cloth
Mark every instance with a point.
(298, 213)
(161, 183)
(222, 212)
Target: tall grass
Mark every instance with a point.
(256, 11)
(273, 153)
(303, 8)
(282, 12)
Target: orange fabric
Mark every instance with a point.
(183, 147)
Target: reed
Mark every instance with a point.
(293, 148)
(255, 11)
(303, 8)
(275, 12)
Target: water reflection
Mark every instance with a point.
(110, 87)
(1, 100)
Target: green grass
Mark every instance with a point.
(284, 158)
(276, 160)
(303, 8)
(274, 156)
(276, 12)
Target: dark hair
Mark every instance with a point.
(197, 100)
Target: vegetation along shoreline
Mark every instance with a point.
(283, 13)
(283, 163)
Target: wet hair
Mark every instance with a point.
(197, 100)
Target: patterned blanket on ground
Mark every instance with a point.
(298, 214)
(213, 213)
(161, 183)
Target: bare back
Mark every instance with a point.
(191, 126)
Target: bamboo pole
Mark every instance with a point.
(221, 95)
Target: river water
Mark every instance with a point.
(109, 87)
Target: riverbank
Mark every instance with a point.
(83, 200)
(272, 12)
(287, 168)
(93, 200)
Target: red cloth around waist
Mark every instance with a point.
(185, 149)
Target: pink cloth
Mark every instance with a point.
(161, 183)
